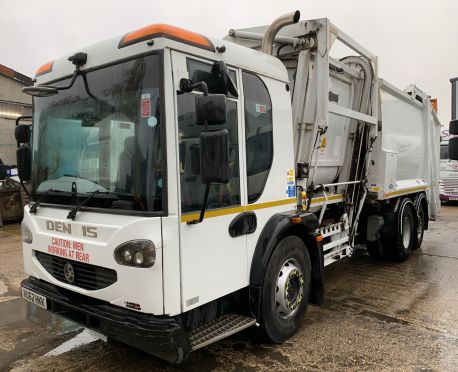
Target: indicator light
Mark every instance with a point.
(47, 67)
(169, 32)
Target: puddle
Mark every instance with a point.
(26, 329)
(18, 312)
(19, 318)
(3, 288)
(83, 338)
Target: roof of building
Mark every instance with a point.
(9, 72)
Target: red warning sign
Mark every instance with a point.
(68, 249)
(146, 105)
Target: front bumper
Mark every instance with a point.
(164, 337)
(448, 197)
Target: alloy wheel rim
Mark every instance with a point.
(289, 289)
(406, 231)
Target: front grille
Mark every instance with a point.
(86, 276)
(450, 185)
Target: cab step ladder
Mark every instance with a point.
(217, 329)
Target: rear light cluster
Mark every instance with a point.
(137, 253)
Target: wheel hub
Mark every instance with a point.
(420, 226)
(289, 289)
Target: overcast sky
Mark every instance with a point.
(416, 41)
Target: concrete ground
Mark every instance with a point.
(377, 316)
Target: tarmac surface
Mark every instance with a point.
(377, 316)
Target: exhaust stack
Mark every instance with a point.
(277, 25)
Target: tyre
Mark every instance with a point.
(375, 249)
(398, 244)
(286, 289)
(420, 228)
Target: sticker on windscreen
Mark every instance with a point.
(262, 109)
(146, 105)
(152, 121)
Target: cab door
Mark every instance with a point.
(213, 263)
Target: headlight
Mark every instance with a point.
(138, 253)
(26, 233)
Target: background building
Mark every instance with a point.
(13, 103)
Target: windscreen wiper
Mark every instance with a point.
(33, 208)
(72, 214)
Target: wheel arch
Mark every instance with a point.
(278, 227)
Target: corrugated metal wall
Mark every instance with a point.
(13, 103)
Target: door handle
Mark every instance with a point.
(242, 224)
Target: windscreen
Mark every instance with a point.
(103, 136)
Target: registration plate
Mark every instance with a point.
(453, 198)
(34, 298)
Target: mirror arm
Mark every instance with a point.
(25, 188)
(75, 74)
(187, 86)
(86, 85)
(204, 207)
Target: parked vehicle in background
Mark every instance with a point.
(448, 184)
(449, 159)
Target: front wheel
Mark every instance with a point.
(286, 289)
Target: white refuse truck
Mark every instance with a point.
(231, 173)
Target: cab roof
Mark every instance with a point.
(158, 37)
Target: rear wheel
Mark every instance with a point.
(398, 244)
(286, 289)
(420, 228)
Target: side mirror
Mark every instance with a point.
(24, 163)
(22, 133)
(214, 156)
(219, 68)
(40, 91)
(211, 108)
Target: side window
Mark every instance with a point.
(192, 188)
(258, 132)
(199, 71)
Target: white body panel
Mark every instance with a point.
(282, 167)
(140, 286)
(208, 253)
(406, 151)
